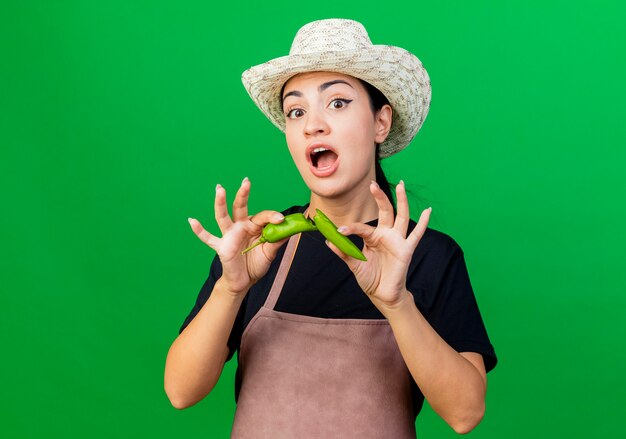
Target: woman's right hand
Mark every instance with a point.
(239, 272)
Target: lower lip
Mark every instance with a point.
(324, 172)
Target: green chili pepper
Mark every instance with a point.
(329, 230)
(292, 224)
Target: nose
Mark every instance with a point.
(315, 123)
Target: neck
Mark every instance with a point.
(354, 207)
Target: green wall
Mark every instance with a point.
(118, 118)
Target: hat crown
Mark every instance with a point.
(330, 35)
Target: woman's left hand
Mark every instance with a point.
(387, 248)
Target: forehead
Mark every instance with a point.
(316, 78)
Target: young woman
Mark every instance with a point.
(328, 345)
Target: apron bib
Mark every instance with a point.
(308, 377)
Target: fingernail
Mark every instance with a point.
(217, 187)
(401, 182)
(342, 229)
(374, 184)
(244, 180)
(189, 220)
(279, 217)
(430, 208)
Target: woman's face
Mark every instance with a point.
(331, 131)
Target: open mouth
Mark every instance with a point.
(323, 158)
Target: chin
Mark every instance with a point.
(329, 188)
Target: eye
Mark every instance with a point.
(294, 113)
(339, 103)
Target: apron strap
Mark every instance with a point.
(283, 269)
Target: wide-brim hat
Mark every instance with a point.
(343, 46)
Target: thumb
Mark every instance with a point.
(270, 249)
(362, 230)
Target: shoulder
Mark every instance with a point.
(436, 244)
(436, 258)
(437, 270)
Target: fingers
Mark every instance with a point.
(385, 209)
(240, 209)
(402, 217)
(359, 229)
(267, 216)
(271, 248)
(221, 211)
(414, 237)
(240, 205)
(201, 233)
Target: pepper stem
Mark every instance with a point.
(259, 242)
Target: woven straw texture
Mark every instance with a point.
(338, 45)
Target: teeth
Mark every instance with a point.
(316, 150)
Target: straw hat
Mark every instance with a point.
(337, 45)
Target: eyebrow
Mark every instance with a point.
(321, 88)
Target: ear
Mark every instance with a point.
(383, 123)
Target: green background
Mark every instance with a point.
(118, 118)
